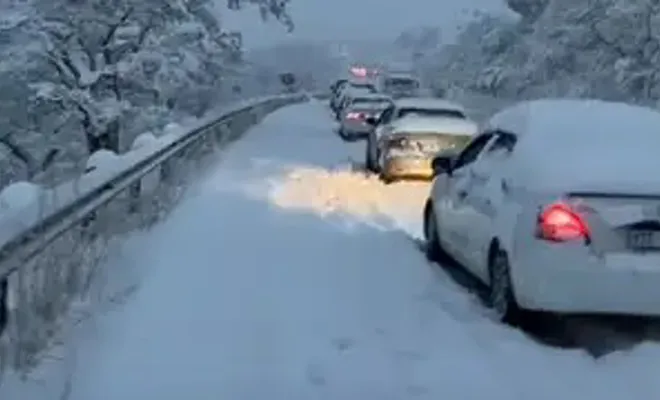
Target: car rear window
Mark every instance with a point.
(401, 83)
(426, 143)
(372, 103)
(431, 112)
(371, 88)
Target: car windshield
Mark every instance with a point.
(430, 112)
(425, 144)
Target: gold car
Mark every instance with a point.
(409, 156)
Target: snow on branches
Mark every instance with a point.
(82, 75)
(599, 48)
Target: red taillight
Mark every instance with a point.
(354, 115)
(560, 223)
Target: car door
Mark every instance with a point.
(372, 142)
(455, 212)
(384, 120)
(485, 197)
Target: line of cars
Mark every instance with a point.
(553, 204)
(401, 133)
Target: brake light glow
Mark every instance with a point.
(355, 116)
(560, 223)
(359, 72)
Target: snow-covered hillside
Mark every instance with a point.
(606, 49)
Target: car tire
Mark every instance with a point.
(386, 179)
(501, 297)
(369, 162)
(432, 249)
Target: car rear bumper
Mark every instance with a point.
(407, 168)
(352, 131)
(570, 279)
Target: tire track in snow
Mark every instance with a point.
(358, 195)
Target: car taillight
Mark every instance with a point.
(354, 115)
(560, 223)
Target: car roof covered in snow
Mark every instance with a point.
(361, 81)
(428, 103)
(401, 75)
(372, 96)
(356, 91)
(583, 145)
(432, 124)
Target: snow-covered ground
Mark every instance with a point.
(284, 275)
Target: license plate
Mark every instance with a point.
(643, 240)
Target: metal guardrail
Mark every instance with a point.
(50, 259)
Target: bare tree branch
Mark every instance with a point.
(19, 152)
(49, 159)
(89, 54)
(112, 31)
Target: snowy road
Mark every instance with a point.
(281, 279)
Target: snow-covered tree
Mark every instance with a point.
(77, 76)
(608, 49)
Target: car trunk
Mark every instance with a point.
(621, 222)
(368, 111)
(422, 145)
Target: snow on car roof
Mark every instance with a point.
(401, 75)
(356, 91)
(374, 96)
(428, 103)
(431, 124)
(583, 145)
(361, 82)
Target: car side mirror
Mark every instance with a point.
(442, 164)
(373, 121)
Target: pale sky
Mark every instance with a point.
(356, 19)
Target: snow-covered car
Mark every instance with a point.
(336, 85)
(335, 88)
(348, 95)
(401, 85)
(352, 124)
(555, 206)
(411, 133)
(345, 90)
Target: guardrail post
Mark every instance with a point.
(222, 134)
(4, 306)
(88, 226)
(134, 197)
(166, 175)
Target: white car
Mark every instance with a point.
(348, 94)
(555, 206)
(345, 89)
(434, 111)
(400, 85)
(336, 87)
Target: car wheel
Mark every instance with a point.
(433, 249)
(500, 296)
(369, 162)
(386, 179)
